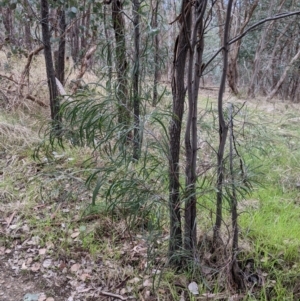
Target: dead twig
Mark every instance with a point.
(34, 99)
(112, 295)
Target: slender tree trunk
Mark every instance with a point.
(136, 74)
(283, 76)
(74, 37)
(232, 70)
(178, 91)
(238, 23)
(260, 48)
(194, 74)
(60, 64)
(233, 197)
(156, 54)
(54, 101)
(27, 29)
(121, 65)
(83, 22)
(223, 131)
(8, 25)
(108, 47)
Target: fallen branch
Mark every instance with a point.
(32, 98)
(10, 78)
(112, 295)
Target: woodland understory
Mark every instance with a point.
(150, 149)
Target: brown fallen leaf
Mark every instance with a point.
(35, 267)
(84, 277)
(42, 251)
(75, 234)
(75, 267)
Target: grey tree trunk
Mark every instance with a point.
(60, 63)
(194, 74)
(156, 54)
(121, 66)
(179, 92)
(54, 101)
(223, 130)
(135, 84)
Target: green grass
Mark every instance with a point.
(55, 191)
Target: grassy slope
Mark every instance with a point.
(55, 192)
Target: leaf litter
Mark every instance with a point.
(78, 276)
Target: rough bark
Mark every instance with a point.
(223, 131)
(135, 82)
(27, 24)
(108, 47)
(60, 63)
(54, 101)
(8, 25)
(179, 92)
(74, 41)
(194, 74)
(121, 65)
(156, 53)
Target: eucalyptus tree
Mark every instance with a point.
(154, 24)
(136, 79)
(121, 65)
(242, 14)
(60, 57)
(54, 100)
(188, 53)
(274, 62)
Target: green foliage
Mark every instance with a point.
(131, 190)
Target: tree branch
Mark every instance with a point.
(276, 17)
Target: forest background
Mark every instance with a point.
(158, 139)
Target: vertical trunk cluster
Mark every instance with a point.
(189, 45)
(79, 33)
(179, 92)
(275, 72)
(196, 49)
